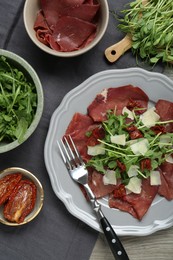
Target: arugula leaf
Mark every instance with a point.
(114, 153)
(18, 101)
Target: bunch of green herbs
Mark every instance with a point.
(150, 24)
(18, 101)
(117, 125)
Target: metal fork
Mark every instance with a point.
(79, 173)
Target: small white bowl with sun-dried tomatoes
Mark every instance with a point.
(21, 196)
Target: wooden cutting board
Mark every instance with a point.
(114, 52)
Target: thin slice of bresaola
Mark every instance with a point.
(165, 109)
(70, 34)
(166, 187)
(54, 10)
(97, 186)
(136, 204)
(115, 99)
(77, 128)
(42, 29)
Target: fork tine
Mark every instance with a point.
(65, 155)
(69, 148)
(62, 153)
(76, 151)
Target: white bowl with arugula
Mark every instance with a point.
(21, 100)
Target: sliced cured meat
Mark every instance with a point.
(165, 109)
(41, 28)
(40, 22)
(66, 25)
(120, 204)
(53, 10)
(97, 186)
(70, 33)
(136, 204)
(166, 187)
(77, 128)
(115, 98)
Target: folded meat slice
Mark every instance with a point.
(97, 186)
(53, 10)
(77, 129)
(41, 27)
(136, 204)
(166, 187)
(115, 98)
(165, 109)
(70, 33)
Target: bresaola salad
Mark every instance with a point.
(127, 147)
(65, 25)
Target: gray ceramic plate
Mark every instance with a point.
(160, 214)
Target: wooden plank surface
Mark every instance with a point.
(157, 246)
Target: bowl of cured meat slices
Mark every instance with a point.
(66, 28)
(21, 196)
(124, 133)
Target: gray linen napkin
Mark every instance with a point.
(55, 233)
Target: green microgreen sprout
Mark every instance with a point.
(150, 24)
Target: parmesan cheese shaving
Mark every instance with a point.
(118, 139)
(96, 150)
(150, 117)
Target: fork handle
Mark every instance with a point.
(113, 240)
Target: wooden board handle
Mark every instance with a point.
(113, 52)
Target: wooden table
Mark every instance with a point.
(158, 246)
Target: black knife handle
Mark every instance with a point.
(113, 240)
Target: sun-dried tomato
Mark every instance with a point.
(134, 132)
(21, 201)
(132, 104)
(158, 129)
(121, 166)
(7, 184)
(120, 191)
(97, 133)
(145, 164)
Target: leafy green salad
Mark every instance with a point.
(18, 101)
(133, 147)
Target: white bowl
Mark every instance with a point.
(31, 9)
(21, 64)
(39, 199)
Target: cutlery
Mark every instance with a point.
(78, 172)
